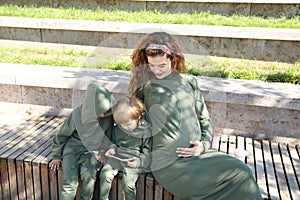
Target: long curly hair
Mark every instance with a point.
(140, 71)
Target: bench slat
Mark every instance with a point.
(241, 142)
(28, 181)
(12, 179)
(250, 156)
(114, 189)
(7, 131)
(20, 140)
(216, 142)
(296, 163)
(289, 171)
(21, 179)
(158, 191)
(224, 143)
(24, 171)
(232, 145)
(140, 186)
(149, 193)
(167, 195)
(120, 192)
(31, 143)
(280, 175)
(4, 179)
(12, 138)
(260, 169)
(272, 184)
(27, 170)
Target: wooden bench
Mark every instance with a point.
(25, 151)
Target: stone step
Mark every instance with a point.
(269, 8)
(266, 44)
(239, 106)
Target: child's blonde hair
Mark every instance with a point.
(128, 108)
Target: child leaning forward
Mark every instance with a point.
(131, 137)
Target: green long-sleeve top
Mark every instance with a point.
(134, 143)
(178, 115)
(84, 130)
(67, 140)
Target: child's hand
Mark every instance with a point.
(54, 165)
(110, 153)
(133, 162)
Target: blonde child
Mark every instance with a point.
(130, 150)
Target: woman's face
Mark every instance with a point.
(160, 66)
(130, 125)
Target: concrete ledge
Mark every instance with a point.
(267, 44)
(270, 8)
(250, 108)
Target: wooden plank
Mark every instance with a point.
(216, 142)
(280, 175)
(39, 151)
(4, 179)
(21, 179)
(289, 172)
(96, 193)
(12, 179)
(158, 190)
(43, 137)
(250, 156)
(57, 182)
(224, 143)
(140, 188)
(32, 171)
(167, 195)
(232, 145)
(53, 183)
(114, 190)
(260, 168)
(9, 130)
(30, 143)
(36, 172)
(78, 191)
(45, 181)
(241, 142)
(270, 172)
(0, 184)
(21, 140)
(121, 194)
(9, 141)
(296, 162)
(28, 180)
(149, 192)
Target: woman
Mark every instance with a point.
(182, 161)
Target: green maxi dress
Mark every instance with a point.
(178, 114)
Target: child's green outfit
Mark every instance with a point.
(126, 145)
(82, 133)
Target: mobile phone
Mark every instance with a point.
(121, 159)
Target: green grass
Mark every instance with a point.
(210, 66)
(203, 18)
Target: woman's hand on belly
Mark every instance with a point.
(196, 150)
